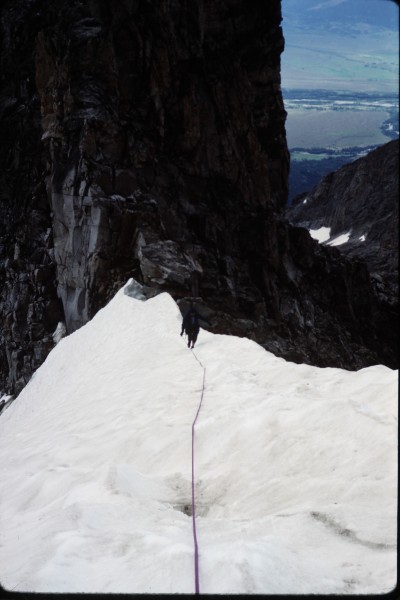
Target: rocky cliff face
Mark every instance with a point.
(146, 140)
(164, 126)
(29, 306)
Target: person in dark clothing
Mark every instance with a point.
(191, 326)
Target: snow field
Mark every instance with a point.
(303, 463)
(295, 466)
(323, 235)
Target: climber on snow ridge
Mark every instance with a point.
(190, 324)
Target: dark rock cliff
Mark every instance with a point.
(29, 306)
(146, 139)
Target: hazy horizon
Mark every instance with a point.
(343, 45)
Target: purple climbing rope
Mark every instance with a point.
(196, 548)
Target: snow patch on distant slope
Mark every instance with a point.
(321, 235)
(341, 239)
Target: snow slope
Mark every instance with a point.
(295, 466)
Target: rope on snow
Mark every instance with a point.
(196, 548)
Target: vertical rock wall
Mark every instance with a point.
(29, 306)
(164, 122)
(143, 139)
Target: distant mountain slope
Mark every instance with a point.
(360, 202)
